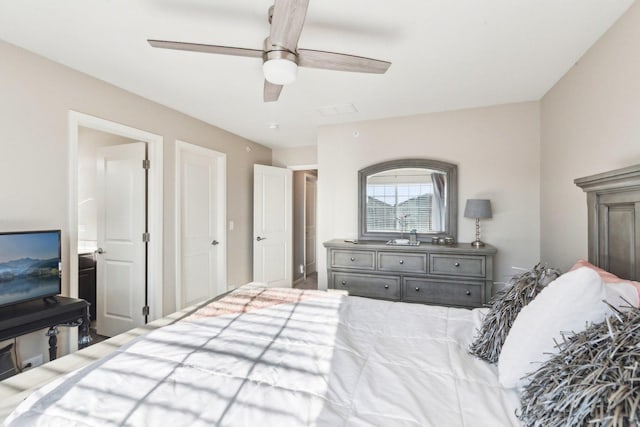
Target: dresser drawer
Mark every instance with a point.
(443, 293)
(363, 260)
(448, 275)
(402, 263)
(386, 287)
(457, 265)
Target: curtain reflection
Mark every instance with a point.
(438, 202)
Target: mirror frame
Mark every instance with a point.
(451, 219)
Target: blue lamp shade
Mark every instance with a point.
(477, 208)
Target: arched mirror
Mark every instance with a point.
(398, 196)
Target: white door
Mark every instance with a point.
(310, 185)
(120, 194)
(201, 189)
(272, 225)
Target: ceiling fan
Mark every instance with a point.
(280, 54)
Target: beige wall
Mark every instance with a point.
(590, 124)
(295, 156)
(36, 96)
(497, 153)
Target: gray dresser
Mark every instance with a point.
(452, 275)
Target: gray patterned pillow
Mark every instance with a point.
(594, 380)
(505, 306)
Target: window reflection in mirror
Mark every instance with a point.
(397, 196)
(404, 199)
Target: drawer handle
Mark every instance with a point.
(386, 286)
(401, 261)
(468, 293)
(344, 283)
(353, 258)
(417, 289)
(456, 264)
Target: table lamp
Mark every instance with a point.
(477, 208)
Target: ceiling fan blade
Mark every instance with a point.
(271, 91)
(286, 23)
(340, 62)
(206, 48)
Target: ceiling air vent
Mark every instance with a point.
(334, 110)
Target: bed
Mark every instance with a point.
(286, 357)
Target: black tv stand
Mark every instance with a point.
(50, 300)
(32, 316)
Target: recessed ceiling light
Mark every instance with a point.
(274, 126)
(334, 110)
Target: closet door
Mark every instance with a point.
(272, 226)
(200, 217)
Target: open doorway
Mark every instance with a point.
(305, 275)
(115, 222)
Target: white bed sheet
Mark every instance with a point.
(325, 360)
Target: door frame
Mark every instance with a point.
(154, 208)
(296, 168)
(182, 146)
(314, 178)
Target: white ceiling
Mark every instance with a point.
(446, 54)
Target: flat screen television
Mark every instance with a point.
(30, 263)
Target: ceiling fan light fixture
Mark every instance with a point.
(280, 53)
(280, 71)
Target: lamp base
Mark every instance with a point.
(477, 244)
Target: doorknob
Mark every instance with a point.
(101, 251)
(260, 238)
(215, 242)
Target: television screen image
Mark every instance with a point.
(29, 266)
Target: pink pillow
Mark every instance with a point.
(606, 276)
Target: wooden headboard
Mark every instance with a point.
(613, 200)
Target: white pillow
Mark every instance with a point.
(568, 304)
(621, 294)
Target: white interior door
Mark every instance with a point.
(201, 224)
(120, 194)
(272, 225)
(310, 186)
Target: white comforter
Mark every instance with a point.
(322, 360)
